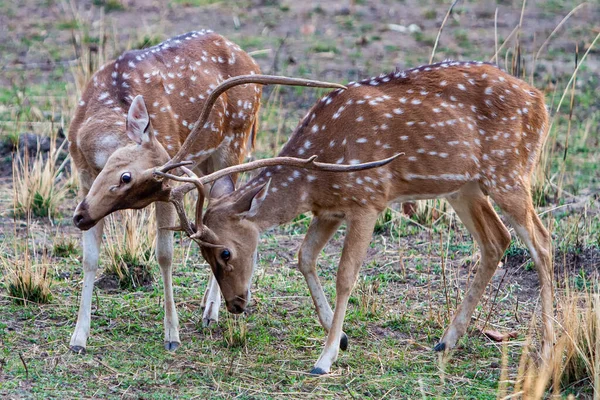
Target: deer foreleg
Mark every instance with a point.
(91, 251)
(165, 216)
(320, 231)
(358, 237)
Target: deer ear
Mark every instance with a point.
(247, 206)
(138, 121)
(221, 187)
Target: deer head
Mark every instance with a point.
(127, 179)
(235, 234)
(229, 232)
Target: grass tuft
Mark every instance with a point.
(109, 5)
(235, 334)
(129, 244)
(574, 366)
(27, 278)
(39, 187)
(64, 247)
(579, 362)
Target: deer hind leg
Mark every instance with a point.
(91, 250)
(358, 237)
(478, 215)
(321, 229)
(165, 216)
(517, 205)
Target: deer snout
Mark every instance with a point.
(237, 305)
(81, 217)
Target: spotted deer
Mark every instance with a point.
(469, 131)
(136, 114)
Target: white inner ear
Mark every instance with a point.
(258, 199)
(221, 187)
(137, 121)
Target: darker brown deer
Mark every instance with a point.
(470, 133)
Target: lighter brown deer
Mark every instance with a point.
(469, 132)
(133, 116)
(116, 152)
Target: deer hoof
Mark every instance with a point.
(171, 346)
(344, 342)
(77, 349)
(318, 371)
(441, 346)
(208, 322)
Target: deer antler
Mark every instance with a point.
(307, 163)
(228, 84)
(196, 231)
(176, 197)
(193, 181)
(181, 164)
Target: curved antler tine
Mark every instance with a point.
(169, 166)
(308, 163)
(196, 238)
(171, 176)
(191, 178)
(176, 198)
(201, 195)
(178, 194)
(236, 81)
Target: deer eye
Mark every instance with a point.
(126, 177)
(225, 255)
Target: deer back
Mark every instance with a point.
(174, 77)
(455, 122)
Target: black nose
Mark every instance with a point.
(77, 218)
(237, 309)
(236, 306)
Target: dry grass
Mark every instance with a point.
(235, 333)
(130, 238)
(575, 360)
(26, 275)
(577, 357)
(39, 183)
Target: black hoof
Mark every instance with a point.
(317, 371)
(441, 346)
(171, 346)
(344, 342)
(77, 349)
(208, 322)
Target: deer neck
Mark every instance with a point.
(288, 196)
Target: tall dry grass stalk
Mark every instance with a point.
(235, 333)
(130, 237)
(89, 42)
(39, 184)
(574, 365)
(95, 39)
(26, 275)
